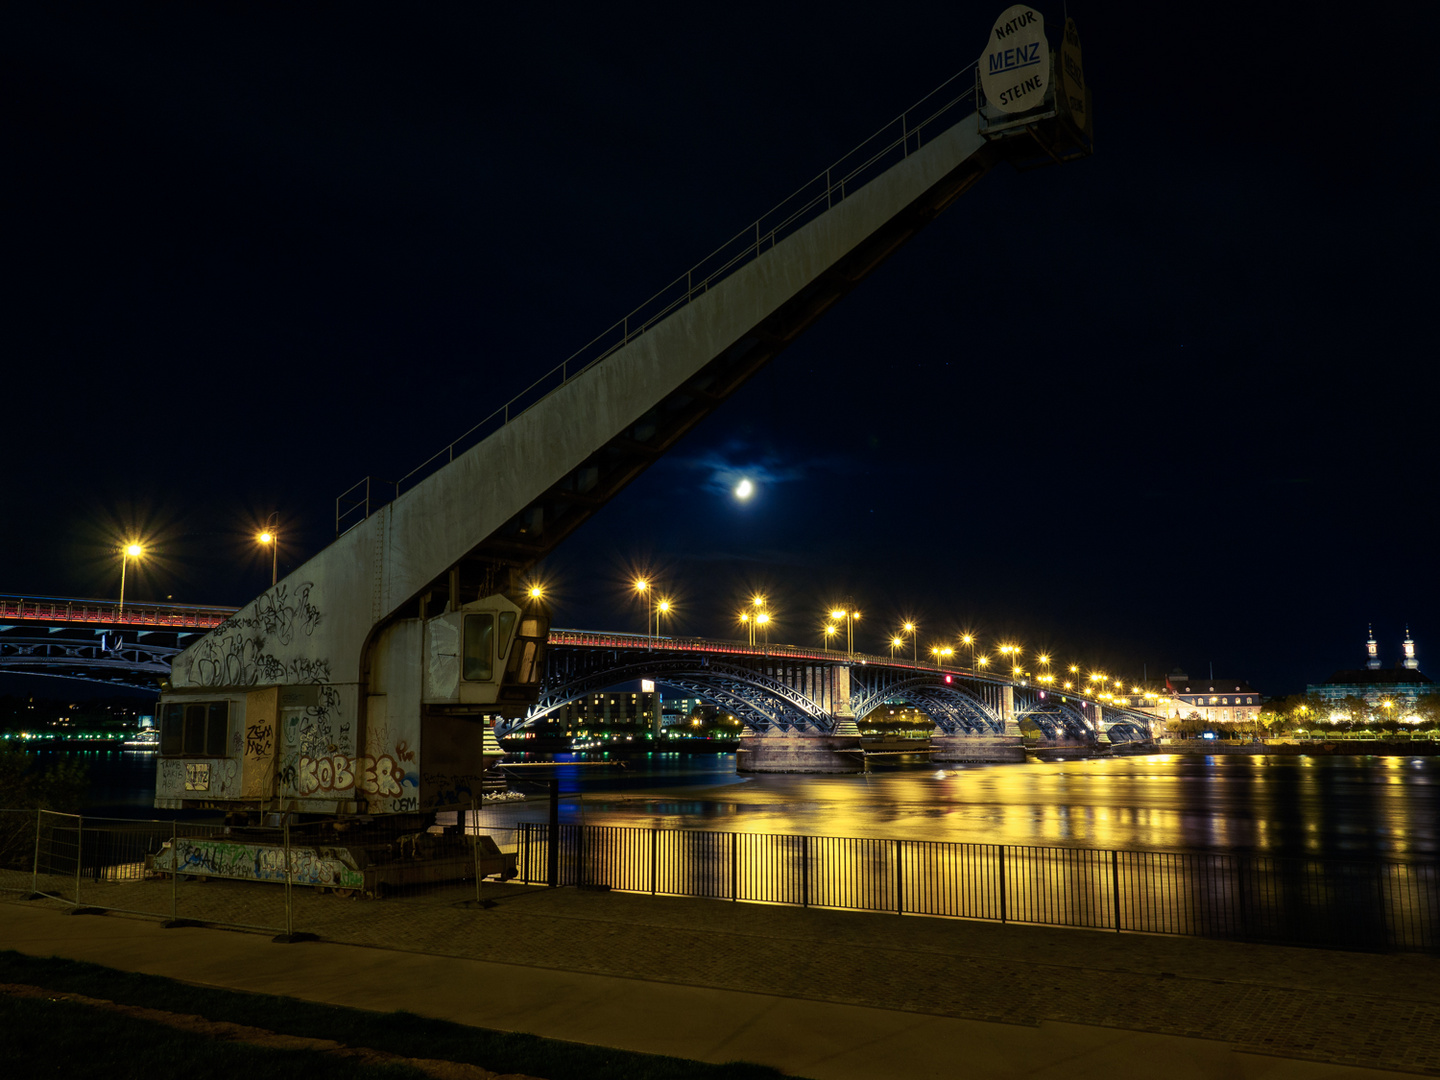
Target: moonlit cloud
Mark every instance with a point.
(728, 467)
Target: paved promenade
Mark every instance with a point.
(819, 994)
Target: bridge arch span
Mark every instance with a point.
(759, 701)
(955, 709)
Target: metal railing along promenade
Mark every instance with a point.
(1299, 901)
(107, 864)
(923, 121)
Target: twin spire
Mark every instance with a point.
(1372, 651)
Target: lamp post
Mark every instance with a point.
(911, 628)
(748, 625)
(270, 535)
(128, 552)
(895, 643)
(851, 617)
(969, 639)
(643, 588)
(763, 619)
(663, 608)
(830, 631)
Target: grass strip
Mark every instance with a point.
(401, 1033)
(40, 1037)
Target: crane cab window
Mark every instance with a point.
(479, 648)
(505, 628)
(194, 729)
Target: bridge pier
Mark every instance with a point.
(799, 752)
(977, 747)
(1007, 711)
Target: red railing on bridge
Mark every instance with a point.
(108, 613)
(602, 640)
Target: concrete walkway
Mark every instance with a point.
(818, 994)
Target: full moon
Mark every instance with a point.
(744, 489)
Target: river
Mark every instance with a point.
(1317, 806)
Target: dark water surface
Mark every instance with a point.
(1329, 806)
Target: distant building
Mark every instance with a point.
(1214, 701)
(1402, 685)
(613, 713)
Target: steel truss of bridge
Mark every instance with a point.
(785, 688)
(98, 641)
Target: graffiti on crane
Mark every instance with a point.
(239, 652)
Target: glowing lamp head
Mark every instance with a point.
(266, 538)
(537, 592)
(134, 551)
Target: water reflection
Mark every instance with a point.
(1355, 806)
(1275, 806)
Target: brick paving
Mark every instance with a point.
(1370, 1010)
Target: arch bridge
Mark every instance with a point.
(791, 690)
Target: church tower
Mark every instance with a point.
(1372, 652)
(1409, 646)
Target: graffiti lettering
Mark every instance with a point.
(381, 776)
(330, 773)
(235, 653)
(259, 739)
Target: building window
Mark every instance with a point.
(195, 729)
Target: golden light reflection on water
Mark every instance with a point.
(1332, 806)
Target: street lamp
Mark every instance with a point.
(911, 628)
(763, 619)
(749, 631)
(830, 631)
(662, 608)
(895, 643)
(851, 618)
(270, 536)
(969, 639)
(130, 551)
(643, 588)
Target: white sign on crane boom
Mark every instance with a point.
(1015, 69)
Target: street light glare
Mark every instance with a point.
(134, 550)
(265, 538)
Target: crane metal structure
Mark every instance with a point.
(366, 682)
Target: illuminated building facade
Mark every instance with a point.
(1214, 701)
(614, 713)
(1400, 686)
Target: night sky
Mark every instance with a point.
(1172, 405)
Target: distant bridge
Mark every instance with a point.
(98, 641)
(769, 688)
